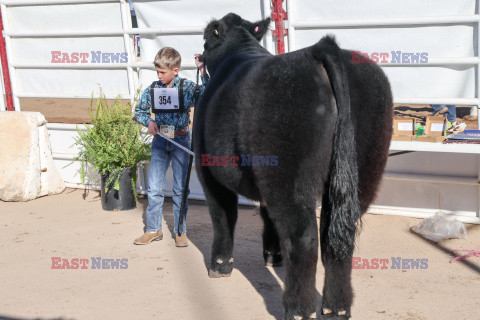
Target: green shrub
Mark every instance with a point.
(113, 143)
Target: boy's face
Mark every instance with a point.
(166, 75)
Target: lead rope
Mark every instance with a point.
(183, 210)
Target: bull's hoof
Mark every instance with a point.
(296, 317)
(221, 268)
(272, 259)
(329, 314)
(215, 274)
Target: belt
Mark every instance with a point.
(181, 132)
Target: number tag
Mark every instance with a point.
(165, 100)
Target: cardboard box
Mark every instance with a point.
(434, 130)
(403, 129)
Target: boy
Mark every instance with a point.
(171, 108)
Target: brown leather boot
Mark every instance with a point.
(148, 237)
(181, 241)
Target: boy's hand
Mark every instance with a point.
(200, 64)
(152, 127)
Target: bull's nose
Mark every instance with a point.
(202, 57)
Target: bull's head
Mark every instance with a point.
(219, 38)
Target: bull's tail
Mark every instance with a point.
(340, 200)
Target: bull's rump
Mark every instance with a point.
(371, 113)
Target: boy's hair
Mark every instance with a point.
(167, 58)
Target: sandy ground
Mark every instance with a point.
(165, 282)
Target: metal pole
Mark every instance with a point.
(10, 60)
(279, 15)
(6, 74)
(128, 47)
(2, 101)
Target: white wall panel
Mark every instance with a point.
(437, 41)
(66, 16)
(192, 13)
(40, 50)
(73, 82)
(348, 9)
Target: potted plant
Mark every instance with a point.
(112, 147)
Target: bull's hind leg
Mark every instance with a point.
(337, 294)
(222, 205)
(296, 224)
(271, 246)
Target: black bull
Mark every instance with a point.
(325, 120)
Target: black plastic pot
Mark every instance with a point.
(122, 199)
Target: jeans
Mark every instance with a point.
(163, 152)
(451, 114)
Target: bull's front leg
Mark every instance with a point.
(223, 212)
(298, 234)
(222, 204)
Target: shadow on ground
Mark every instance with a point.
(248, 261)
(450, 252)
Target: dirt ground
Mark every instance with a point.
(76, 111)
(165, 282)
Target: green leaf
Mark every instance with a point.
(113, 142)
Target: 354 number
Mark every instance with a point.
(165, 100)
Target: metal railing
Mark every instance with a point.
(126, 31)
(294, 25)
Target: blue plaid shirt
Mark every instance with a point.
(177, 119)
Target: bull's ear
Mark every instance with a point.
(259, 28)
(215, 31)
